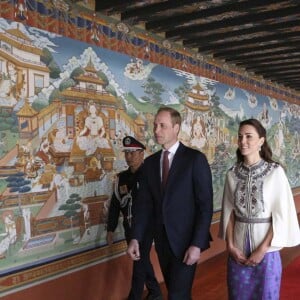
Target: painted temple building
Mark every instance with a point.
(197, 99)
(20, 64)
(89, 94)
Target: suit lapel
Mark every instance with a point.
(156, 169)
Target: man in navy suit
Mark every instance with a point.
(180, 209)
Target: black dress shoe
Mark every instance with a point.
(153, 297)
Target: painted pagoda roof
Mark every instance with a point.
(197, 106)
(90, 67)
(85, 95)
(198, 93)
(26, 110)
(16, 32)
(18, 39)
(91, 79)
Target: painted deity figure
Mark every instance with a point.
(43, 152)
(86, 217)
(21, 9)
(26, 213)
(279, 140)
(93, 134)
(60, 142)
(61, 184)
(10, 227)
(10, 234)
(198, 137)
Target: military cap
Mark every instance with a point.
(132, 144)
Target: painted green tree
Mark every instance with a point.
(153, 90)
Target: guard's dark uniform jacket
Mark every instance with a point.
(121, 201)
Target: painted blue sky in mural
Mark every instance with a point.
(117, 63)
(170, 79)
(64, 50)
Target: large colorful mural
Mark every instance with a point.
(65, 106)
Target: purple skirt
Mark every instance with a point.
(260, 282)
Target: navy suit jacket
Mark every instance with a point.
(184, 207)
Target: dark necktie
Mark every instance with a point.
(165, 167)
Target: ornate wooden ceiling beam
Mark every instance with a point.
(290, 25)
(286, 74)
(114, 6)
(246, 49)
(257, 54)
(286, 77)
(291, 82)
(270, 66)
(250, 18)
(252, 41)
(174, 21)
(268, 58)
(148, 12)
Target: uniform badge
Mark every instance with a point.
(123, 189)
(127, 141)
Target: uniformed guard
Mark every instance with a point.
(121, 201)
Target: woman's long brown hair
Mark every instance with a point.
(265, 152)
